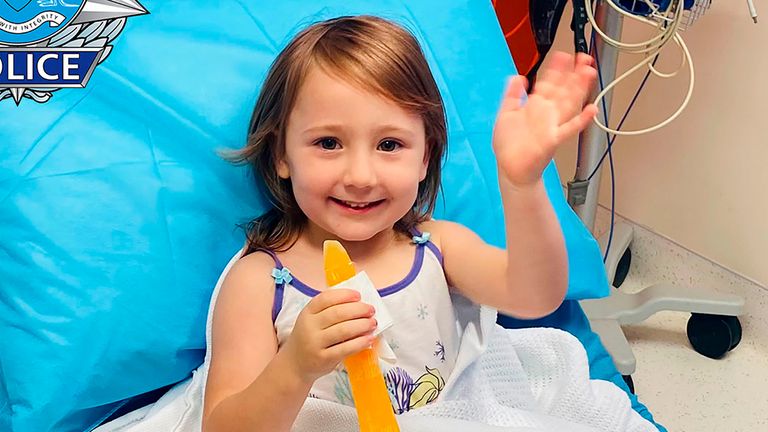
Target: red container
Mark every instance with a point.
(515, 22)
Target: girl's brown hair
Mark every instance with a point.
(372, 52)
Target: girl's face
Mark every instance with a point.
(355, 159)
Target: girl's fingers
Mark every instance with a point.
(585, 78)
(585, 70)
(514, 93)
(353, 346)
(556, 71)
(545, 89)
(559, 62)
(584, 59)
(567, 81)
(329, 298)
(575, 91)
(344, 312)
(577, 123)
(347, 330)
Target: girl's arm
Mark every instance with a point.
(530, 278)
(252, 386)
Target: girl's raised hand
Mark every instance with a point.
(526, 136)
(333, 326)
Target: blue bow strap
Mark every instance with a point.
(282, 276)
(422, 239)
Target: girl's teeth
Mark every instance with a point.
(355, 205)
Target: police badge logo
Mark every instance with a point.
(47, 45)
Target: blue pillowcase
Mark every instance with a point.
(117, 215)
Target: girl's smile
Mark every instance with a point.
(355, 207)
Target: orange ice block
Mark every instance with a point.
(374, 409)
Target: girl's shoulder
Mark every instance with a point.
(450, 236)
(437, 229)
(440, 230)
(250, 279)
(255, 261)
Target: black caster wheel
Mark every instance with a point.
(713, 335)
(630, 383)
(622, 268)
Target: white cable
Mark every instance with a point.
(638, 47)
(688, 60)
(650, 49)
(752, 10)
(683, 60)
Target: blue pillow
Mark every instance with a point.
(117, 215)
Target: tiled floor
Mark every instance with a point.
(684, 390)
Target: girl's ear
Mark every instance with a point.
(424, 166)
(282, 169)
(279, 155)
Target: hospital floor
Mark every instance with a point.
(684, 390)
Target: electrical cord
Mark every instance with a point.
(667, 23)
(621, 123)
(650, 48)
(610, 140)
(607, 150)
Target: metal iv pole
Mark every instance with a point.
(607, 315)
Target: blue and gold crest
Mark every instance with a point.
(46, 45)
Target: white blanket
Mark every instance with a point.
(526, 380)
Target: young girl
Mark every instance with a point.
(348, 135)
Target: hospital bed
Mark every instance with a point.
(118, 214)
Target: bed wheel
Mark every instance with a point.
(713, 335)
(622, 268)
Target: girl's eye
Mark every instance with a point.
(328, 143)
(389, 145)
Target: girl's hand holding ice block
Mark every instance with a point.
(374, 409)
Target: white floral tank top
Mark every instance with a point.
(424, 336)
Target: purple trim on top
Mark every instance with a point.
(418, 260)
(304, 288)
(437, 253)
(278, 264)
(277, 303)
(433, 247)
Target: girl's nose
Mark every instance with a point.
(360, 172)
